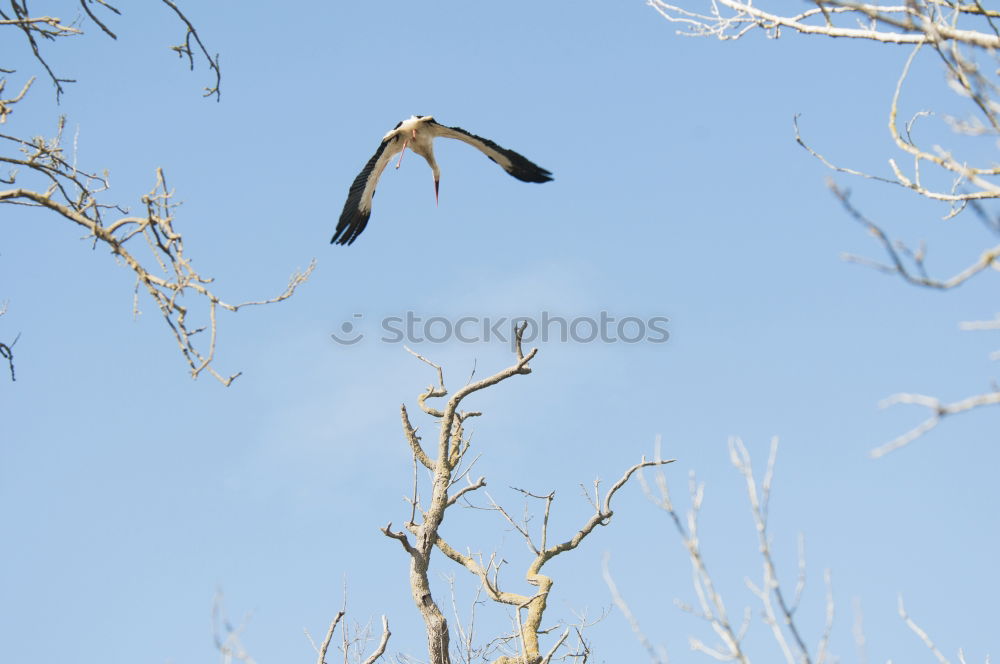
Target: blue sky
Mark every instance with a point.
(131, 493)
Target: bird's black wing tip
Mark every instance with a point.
(527, 171)
(349, 228)
(345, 238)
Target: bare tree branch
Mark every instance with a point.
(449, 452)
(414, 440)
(353, 646)
(321, 651)
(900, 24)
(777, 612)
(35, 28)
(227, 636)
(779, 616)
(86, 7)
(712, 606)
(7, 104)
(167, 247)
(424, 534)
(166, 273)
(782, 614)
(7, 350)
(916, 629)
(478, 484)
(383, 642)
(616, 596)
(185, 50)
(965, 38)
(50, 28)
(60, 187)
(530, 626)
(939, 411)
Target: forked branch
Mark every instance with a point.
(164, 271)
(38, 29)
(452, 445)
(778, 609)
(41, 174)
(422, 532)
(965, 39)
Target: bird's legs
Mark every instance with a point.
(403, 151)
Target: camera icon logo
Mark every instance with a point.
(349, 332)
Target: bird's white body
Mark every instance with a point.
(408, 126)
(416, 135)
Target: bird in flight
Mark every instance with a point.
(418, 134)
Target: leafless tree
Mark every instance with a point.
(964, 37)
(449, 468)
(777, 606)
(43, 173)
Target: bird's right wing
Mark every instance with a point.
(515, 164)
(358, 207)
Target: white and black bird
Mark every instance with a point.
(418, 134)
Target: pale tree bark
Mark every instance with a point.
(451, 447)
(777, 603)
(43, 173)
(964, 37)
(422, 535)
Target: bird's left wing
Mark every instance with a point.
(358, 207)
(517, 165)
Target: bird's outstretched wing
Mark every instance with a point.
(517, 165)
(358, 207)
